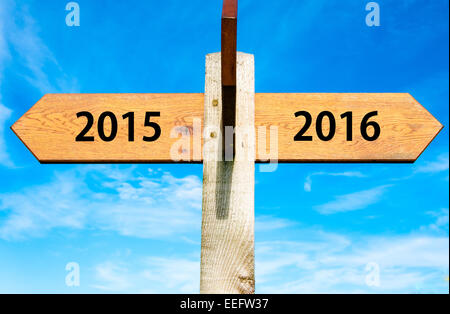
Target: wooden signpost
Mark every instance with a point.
(228, 128)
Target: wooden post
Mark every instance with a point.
(229, 43)
(228, 61)
(227, 257)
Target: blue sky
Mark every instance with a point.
(136, 228)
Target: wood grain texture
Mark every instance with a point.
(49, 128)
(228, 70)
(229, 42)
(227, 257)
(406, 127)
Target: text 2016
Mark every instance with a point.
(348, 116)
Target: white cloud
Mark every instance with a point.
(353, 201)
(4, 50)
(42, 69)
(307, 186)
(20, 33)
(321, 263)
(174, 274)
(269, 223)
(330, 263)
(125, 202)
(149, 275)
(5, 114)
(112, 277)
(149, 205)
(439, 165)
(441, 223)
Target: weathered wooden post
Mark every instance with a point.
(227, 257)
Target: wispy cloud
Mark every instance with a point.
(328, 263)
(439, 165)
(440, 224)
(353, 201)
(112, 277)
(22, 33)
(19, 38)
(5, 114)
(4, 50)
(269, 223)
(130, 203)
(307, 186)
(180, 274)
(149, 275)
(322, 262)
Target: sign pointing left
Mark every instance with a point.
(112, 128)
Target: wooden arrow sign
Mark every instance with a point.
(146, 128)
(347, 127)
(108, 128)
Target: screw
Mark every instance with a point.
(215, 102)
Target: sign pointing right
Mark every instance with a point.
(347, 127)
